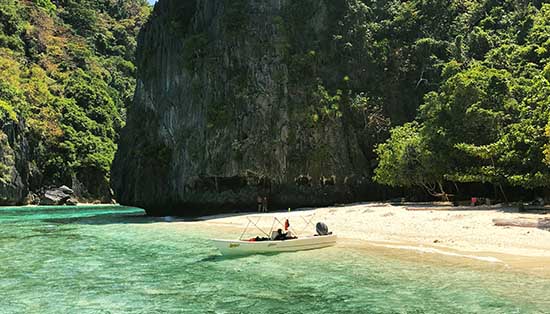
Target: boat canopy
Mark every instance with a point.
(278, 224)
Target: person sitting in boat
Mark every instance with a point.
(280, 235)
(290, 235)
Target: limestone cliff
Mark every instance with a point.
(14, 166)
(237, 98)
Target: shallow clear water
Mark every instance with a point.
(109, 260)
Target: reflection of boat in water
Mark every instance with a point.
(277, 241)
(240, 247)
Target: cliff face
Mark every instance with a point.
(14, 167)
(236, 98)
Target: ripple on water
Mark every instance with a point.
(128, 265)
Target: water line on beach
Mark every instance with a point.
(422, 249)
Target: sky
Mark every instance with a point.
(152, 1)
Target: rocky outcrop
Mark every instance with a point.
(237, 98)
(54, 197)
(14, 167)
(17, 172)
(62, 195)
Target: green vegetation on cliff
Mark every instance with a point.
(68, 75)
(474, 75)
(486, 120)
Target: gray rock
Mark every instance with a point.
(65, 189)
(54, 197)
(33, 199)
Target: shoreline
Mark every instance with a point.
(466, 233)
(435, 231)
(536, 266)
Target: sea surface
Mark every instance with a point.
(115, 260)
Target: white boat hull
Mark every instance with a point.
(237, 247)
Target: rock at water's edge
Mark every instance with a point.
(57, 196)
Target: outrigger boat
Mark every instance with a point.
(271, 244)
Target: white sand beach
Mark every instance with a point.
(466, 232)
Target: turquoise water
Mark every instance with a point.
(111, 260)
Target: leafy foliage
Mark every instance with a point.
(488, 120)
(68, 72)
(406, 160)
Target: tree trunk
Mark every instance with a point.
(444, 196)
(523, 223)
(503, 194)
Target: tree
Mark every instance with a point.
(483, 126)
(406, 160)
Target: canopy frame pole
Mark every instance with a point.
(244, 231)
(256, 225)
(271, 230)
(308, 222)
(290, 228)
(277, 219)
